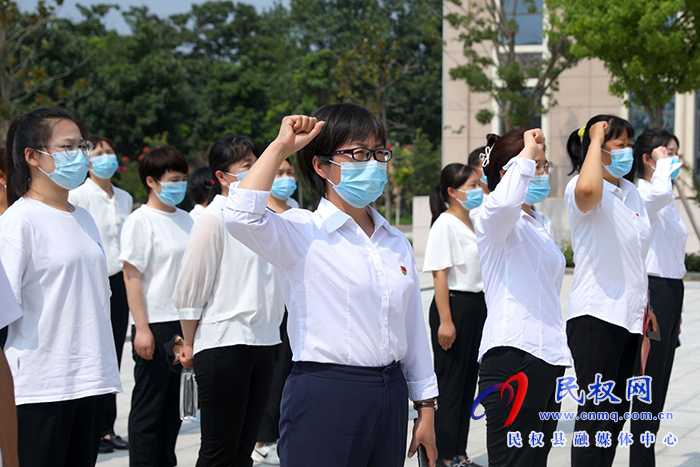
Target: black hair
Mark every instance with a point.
(452, 176)
(200, 182)
(345, 123)
(577, 147)
(646, 142)
(475, 156)
(97, 140)
(32, 130)
(226, 151)
(160, 160)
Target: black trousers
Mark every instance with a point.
(154, 420)
(344, 416)
(120, 321)
(457, 371)
(281, 367)
(600, 347)
(233, 384)
(497, 366)
(667, 303)
(60, 434)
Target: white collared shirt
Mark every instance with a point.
(352, 300)
(610, 243)
(228, 288)
(109, 214)
(451, 244)
(666, 257)
(523, 270)
(154, 242)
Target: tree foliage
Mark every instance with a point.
(650, 47)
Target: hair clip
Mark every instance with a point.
(485, 156)
(581, 132)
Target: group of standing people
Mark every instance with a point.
(307, 327)
(498, 275)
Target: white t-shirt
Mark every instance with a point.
(196, 212)
(232, 291)
(451, 244)
(610, 243)
(109, 214)
(62, 347)
(154, 242)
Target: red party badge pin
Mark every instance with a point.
(403, 270)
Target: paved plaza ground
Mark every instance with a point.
(683, 401)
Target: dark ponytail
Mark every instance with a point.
(577, 146)
(226, 151)
(452, 176)
(32, 130)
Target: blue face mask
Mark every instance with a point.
(675, 160)
(538, 189)
(283, 187)
(70, 168)
(484, 180)
(621, 162)
(475, 197)
(172, 193)
(361, 183)
(104, 166)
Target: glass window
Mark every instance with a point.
(528, 15)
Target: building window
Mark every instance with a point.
(640, 121)
(528, 15)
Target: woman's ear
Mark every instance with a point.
(221, 178)
(502, 172)
(451, 192)
(31, 156)
(151, 182)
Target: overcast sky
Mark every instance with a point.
(160, 7)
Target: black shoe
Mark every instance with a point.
(105, 447)
(116, 442)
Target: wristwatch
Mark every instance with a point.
(428, 403)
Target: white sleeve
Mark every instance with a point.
(15, 252)
(660, 193)
(9, 309)
(136, 242)
(417, 364)
(443, 249)
(200, 267)
(280, 239)
(501, 210)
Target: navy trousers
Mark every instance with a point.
(344, 416)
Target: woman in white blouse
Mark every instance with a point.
(200, 183)
(458, 311)
(523, 270)
(109, 206)
(230, 310)
(61, 350)
(657, 164)
(351, 287)
(153, 241)
(610, 236)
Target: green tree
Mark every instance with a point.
(493, 25)
(650, 47)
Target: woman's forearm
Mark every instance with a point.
(442, 296)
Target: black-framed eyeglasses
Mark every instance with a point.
(365, 154)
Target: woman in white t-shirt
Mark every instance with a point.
(9, 312)
(524, 341)
(61, 351)
(109, 206)
(458, 310)
(230, 309)
(201, 183)
(657, 164)
(154, 238)
(610, 236)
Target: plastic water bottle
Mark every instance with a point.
(189, 403)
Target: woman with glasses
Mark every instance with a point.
(458, 310)
(109, 206)
(153, 241)
(350, 283)
(523, 344)
(61, 350)
(610, 235)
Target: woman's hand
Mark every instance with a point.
(447, 333)
(424, 433)
(144, 343)
(297, 131)
(598, 131)
(659, 153)
(186, 355)
(534, 143)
